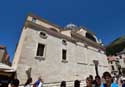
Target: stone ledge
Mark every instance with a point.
(40, 58)
(64, 61)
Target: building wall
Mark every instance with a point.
(52, 69)
(122, 63)
(66, 32)
(39, 22)
(122, 60)
(2, 54)
(113, 64)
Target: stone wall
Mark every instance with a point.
(79, 59)
(2, 54)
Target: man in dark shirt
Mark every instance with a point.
(123, 80)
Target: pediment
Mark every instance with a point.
(82, 32)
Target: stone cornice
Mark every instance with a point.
(82, 27)
(49, 31)
(44, 20)
(86, 40)
(61, 29)
(75, 36)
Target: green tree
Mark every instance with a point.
(116, 46)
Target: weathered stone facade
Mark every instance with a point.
(4, 56)
(81, 53)
(2, 53)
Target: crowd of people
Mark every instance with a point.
(105, 81)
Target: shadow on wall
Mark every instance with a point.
(28, 72)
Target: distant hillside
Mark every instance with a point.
(116, 46)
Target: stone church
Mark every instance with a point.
(57, 54)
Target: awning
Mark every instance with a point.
(6, 68)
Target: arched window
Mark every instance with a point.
(90, 36)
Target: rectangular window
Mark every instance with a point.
(113, 67)
(120, 57)
(64, 52)
(111, 62)
(40, 50)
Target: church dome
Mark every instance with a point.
(71, 26)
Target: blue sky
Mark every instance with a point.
(104, 17)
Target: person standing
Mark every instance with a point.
(28, 82)
(63, 84)
(89, 82)
(38, 83)
(123, 82)
(108, 80)
(77, 83)
(97, 81)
